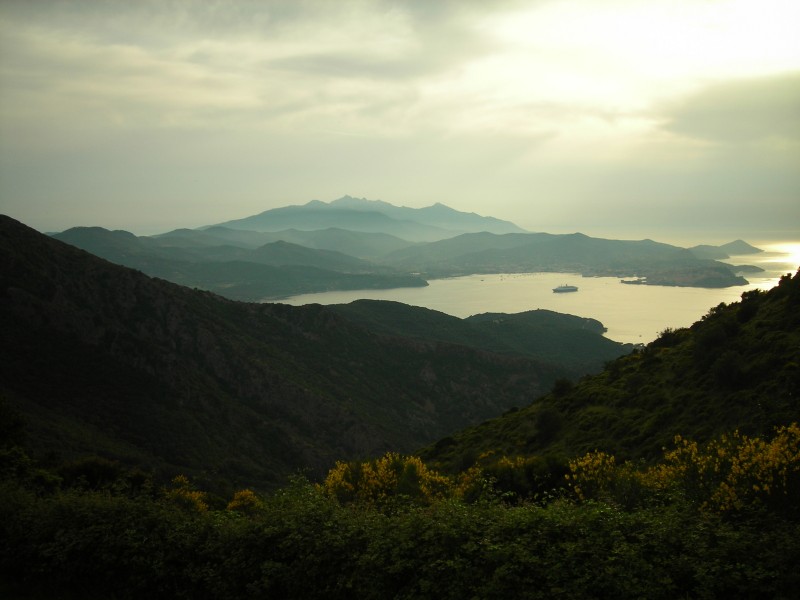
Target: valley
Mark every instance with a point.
(169, 438)
(399, 300)
(235, 392)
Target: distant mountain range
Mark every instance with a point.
(101, 359)
(353, 243)
(374, 216)
(655, 263)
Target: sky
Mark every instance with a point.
(627, 118)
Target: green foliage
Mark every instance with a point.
(732, 473)
(12, 425)
(389, 479)
(737, 368)
(246, 502)
(573, 345)
(669, 338)
(183, 494)
(562, 387)
(729, 370)
(298, 542)
(91, 472)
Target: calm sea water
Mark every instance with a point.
(631, 313)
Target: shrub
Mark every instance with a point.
(393, 476)
(246, 502)
(730, 473)
(183, 494)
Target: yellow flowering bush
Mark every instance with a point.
(591, 474)
(734, 471)
(339, 482)
(473, 484)
(728, 473)
(245, 501)
(392, 475)
(184, 495)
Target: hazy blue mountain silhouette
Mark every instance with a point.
(357, 214)
(273, 270)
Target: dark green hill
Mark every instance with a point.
(361, 244)
(574, 343)
(116, 246)
(272, 271)
(739, 367)
(433, 254)
(282, 253)
(213, 236)
(543, 334)
(250, 281)
(101, 359)
(192, 238)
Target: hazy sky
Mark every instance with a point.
(598, 115)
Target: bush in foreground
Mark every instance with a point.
(402, 531)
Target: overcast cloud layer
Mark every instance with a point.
(604, 116)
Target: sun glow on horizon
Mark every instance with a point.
(784, 252)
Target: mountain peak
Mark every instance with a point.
(433, 223)
(740, 247)
(347, 201)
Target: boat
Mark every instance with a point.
(565, 288)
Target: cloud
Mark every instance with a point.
(358, 67)
(532, 110)
(746, 110)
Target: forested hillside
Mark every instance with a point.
(737, 368)
(100, 359)
(576, 343)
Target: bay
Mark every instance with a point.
(631, 313)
